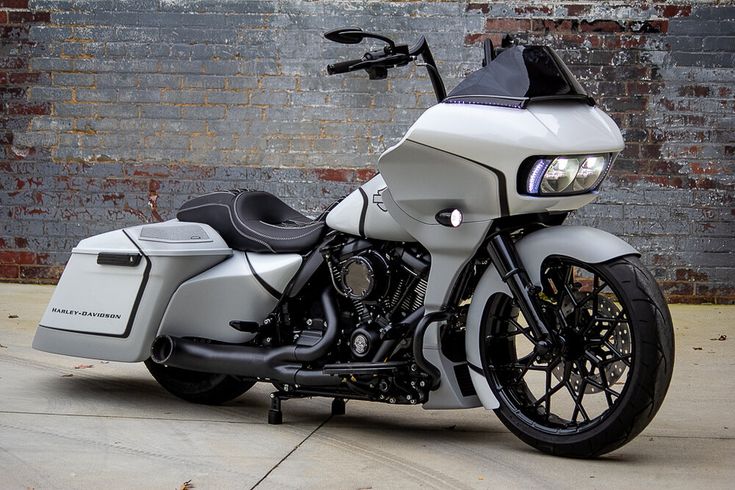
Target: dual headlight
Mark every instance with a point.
(564, 175)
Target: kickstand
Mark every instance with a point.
(338, 406)
(275, 415)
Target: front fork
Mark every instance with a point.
(506, 260)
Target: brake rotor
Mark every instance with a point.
(619, 337)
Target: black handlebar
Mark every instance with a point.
(377, 63)
(342, 66)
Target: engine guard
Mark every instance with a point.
(588, 245)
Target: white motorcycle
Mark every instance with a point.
(445, 281)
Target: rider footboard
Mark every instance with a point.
(113, 292)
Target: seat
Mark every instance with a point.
(254, 221)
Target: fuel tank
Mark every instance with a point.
(363, 213)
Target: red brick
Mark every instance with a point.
(632, 41)
(689, 299)
(511, 26)
(364, 174)
(17, 257)
(707, 168)
(3, 17)
(715, 290)
(14, 33)
(41, 273)
(654, 26)
(9, 271)
(600, 26)
(24, 78)
(14, 4)
(11, 63)
(470, 39)
(483, 7)
(28, 108)
(560, 25)
(690, 275)
(577, 10)
(532, 10)
(333, 174)
(677, 288)
(576, 39)
(694, 91)
(28, 17)
(675, 10)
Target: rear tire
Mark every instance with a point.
(622, 367)
(198, 387)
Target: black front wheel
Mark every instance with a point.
(197, 387)
(610, 367)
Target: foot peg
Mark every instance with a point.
(243, 326)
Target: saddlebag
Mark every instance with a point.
(116, 286)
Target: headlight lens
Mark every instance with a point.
(566, 174)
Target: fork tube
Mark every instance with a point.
(503, 255)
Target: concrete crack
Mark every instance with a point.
(291, 452)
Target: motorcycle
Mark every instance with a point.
(445, 281)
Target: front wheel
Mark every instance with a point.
(608, 373)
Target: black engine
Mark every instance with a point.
(379, 290)
(382, 285)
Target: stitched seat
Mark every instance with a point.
(254, 221)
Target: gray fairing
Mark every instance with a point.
(422, 181)
(588, 245)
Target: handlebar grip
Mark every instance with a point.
(342, 66)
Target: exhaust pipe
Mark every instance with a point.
(418, 346)
(282, 364)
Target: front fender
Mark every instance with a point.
(588, 245)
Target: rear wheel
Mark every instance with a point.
(608, 373)
(198, 387)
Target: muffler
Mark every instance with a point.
(282, 364)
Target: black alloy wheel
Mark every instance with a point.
(608, 370)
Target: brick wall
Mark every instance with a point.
(115, 112)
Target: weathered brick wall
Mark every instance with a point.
(115, 112)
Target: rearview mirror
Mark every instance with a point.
(345, 35)
(353, 35)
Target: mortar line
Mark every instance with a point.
(291, 452)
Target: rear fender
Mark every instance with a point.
(588, 245)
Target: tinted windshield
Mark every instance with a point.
(519, 75)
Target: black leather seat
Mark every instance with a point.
(254, 221)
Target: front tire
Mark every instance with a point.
(608, 375)
(198, 387)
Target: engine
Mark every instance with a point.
(382, 284)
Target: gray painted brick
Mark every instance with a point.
(207, 112)
(159, 111)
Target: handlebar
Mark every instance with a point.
(342, 66)
(377, 63)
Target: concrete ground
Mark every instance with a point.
(111, 426)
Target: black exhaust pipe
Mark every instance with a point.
(283, 364)
(418, 346)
